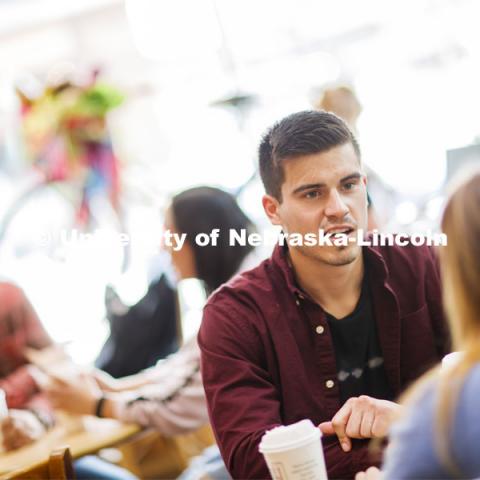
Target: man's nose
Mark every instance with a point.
(335, 206)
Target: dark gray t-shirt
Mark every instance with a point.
(359, 358)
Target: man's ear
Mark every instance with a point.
(271, 206)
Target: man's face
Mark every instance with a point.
(322, 191)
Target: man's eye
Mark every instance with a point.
(348, 186)
(311, 195)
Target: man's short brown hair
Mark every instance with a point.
(299, 134)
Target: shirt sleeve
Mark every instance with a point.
(23, 326)
(172, 404)
(243, 401)
(182, 413)
(19, 387)
(411, 453)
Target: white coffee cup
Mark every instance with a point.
(294, 452)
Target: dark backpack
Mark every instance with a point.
(142, 334)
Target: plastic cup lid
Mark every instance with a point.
(290, 436)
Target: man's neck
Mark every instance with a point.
(336, 289)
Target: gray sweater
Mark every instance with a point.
(411, 453)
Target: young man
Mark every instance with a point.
(329, 333)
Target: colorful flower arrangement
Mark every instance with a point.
(67, 139)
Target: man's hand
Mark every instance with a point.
(79, 394)
(20, 428)
(361, 417)
(373, 473)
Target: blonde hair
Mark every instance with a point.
(460, 271)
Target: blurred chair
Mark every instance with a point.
(154, 456)
(59, 466)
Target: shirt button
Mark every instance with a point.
(329, 383)
(319, 329)
(297, 302)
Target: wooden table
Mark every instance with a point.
(84, 435)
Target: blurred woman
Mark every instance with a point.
(201, 210)
(170, 396)
(146, 332)
(440, 433)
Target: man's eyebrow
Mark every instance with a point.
(309, 186)
(352, 176)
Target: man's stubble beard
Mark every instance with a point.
(334, 260)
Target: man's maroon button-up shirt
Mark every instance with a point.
(268, 359)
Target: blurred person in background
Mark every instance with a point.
(170, 396)
(328, 333)
(343, 102)
(30, 415)
(439, 433)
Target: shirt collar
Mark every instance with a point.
(281, 260)
(374, 259)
